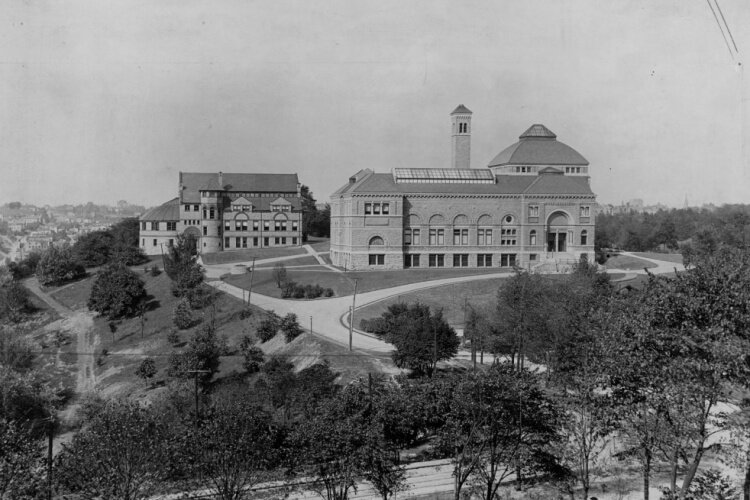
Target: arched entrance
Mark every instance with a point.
(557, 232)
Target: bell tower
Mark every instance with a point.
(461, 137)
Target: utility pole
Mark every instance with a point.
(311, 324)
(50, 433)
(351, 315)
(196, 372)
(252, 275)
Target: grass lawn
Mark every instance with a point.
(343, 284)
(627, 262)
(305, 260)
(319, 244)
(667, 257)
(247, 255)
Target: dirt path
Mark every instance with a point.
(79, 324)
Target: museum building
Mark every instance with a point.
(227, 211)
(531, 206)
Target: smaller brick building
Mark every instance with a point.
(227, 212)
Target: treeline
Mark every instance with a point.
(315, 222)
(671, 229)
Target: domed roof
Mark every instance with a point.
(538, 146)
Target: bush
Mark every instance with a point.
(298, 292)
(254, 356)
(155, 271)
(147, 369)
(246, 313)
(182, 316)
(117, 292)
(129, 256)
(373, 325)
(173, 338)
(268, 328)
(290, 327)
(14, 301)
(328, 292)
(292, 289)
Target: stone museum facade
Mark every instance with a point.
(532, 206)
(226, 211)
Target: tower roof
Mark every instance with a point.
(461, 109)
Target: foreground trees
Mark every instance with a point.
(117, 292)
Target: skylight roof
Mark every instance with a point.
(442, 176)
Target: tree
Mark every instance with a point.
(57, 266)
(21, 461)
(117, 292)
(93, 249)
(421, 337)
(15, 352)
(290, 327)
(147, 369)
(122, 453)
(14, 301)
(253, 359)
(269, 327)
(279, 274)
(229, 451)
(182, 316)
(203, 353)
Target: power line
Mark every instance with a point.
(726, 25)
(718, 23)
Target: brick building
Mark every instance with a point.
(227, 212)
(532, 206)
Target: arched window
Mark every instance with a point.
(584, 237)
(376, 241)
(532, 237)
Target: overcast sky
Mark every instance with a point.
(108, 100)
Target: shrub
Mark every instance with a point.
(373, 325)
(182, 316)
(290, 327)
(155, 271)
(172, 337)
(14, 301)
(129, 256)
(268, 328)
(246, 313)
(328, 292)
(254, 358)
(147, 369)
(298, 292)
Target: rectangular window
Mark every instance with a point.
(187, 208)
(376, 209)
(266, 225)
(377, 259)
(411, 260)
(143, 226)
(171, 226)
(205, 230)
(255, 241)
(386, 208)
(433, 236)
(244, 242)
(211, 213)
(283, 241)
(441, 236)
(436, 260)
(507, 260)
(255, 225)
(532, 256)
(294, 241)
(154, 244)
(484, 260)
(205, 213)
(368, 208)
(460, 260)
(276, 240)
(407, 236)
(226, 225)
(195, 208)
(154, 226)
(533, 213)
(456, 236)
(143, 242)
(508, 237)
(265, 242)
(415, 238)
(295, 225)
(585, 211)
(226, 242)
(277, 226)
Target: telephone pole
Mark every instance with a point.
(252, 275)
(196, 372)
(351, 315)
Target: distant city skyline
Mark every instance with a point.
(106, 101)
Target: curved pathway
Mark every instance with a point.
(330, 317)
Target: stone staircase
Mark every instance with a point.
(556, 263)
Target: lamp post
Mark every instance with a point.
(351, 315)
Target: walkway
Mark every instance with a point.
(310, 250)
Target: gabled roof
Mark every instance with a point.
(557, 183)
(169, 211)
(461, 109)
(280, 201)
(241, 201)
(538, 146)
(194, 182)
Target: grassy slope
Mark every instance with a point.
(668, 257)
(343, 283)
(627, 262)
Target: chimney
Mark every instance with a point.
(221, 180)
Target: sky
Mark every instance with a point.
(108, 100)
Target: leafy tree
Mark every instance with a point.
(93, 249)
(230, 450)
(147, 369)
(15, 352)
(182, 316)
(279, 274)
(253, 359)
(421, 338)
(120, 454)
(117, 292)
(26, 397)
(14, 301)
(21, 461)
(126, 233)
(203, 353)
(26, 267)
(57, 266)
(269, 327)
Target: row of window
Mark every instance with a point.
(154, 226)
(243, 225)
(461, 237)
(243, 241)
(377, 208)
(585, 210)
(438, 260)
(573, 170)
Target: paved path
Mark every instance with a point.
(310, 250)
(662, 266)
(218, 270)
